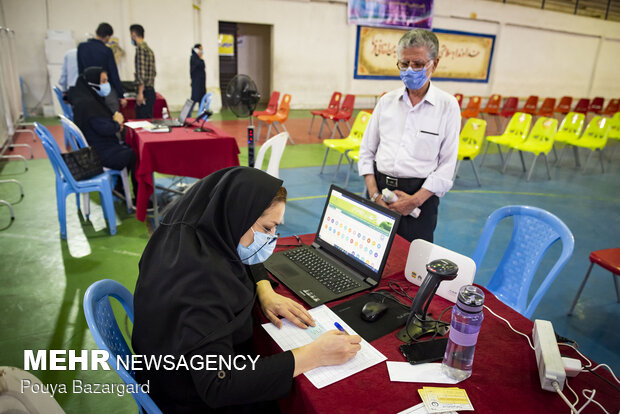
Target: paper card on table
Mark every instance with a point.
(420, 409)
(290, 337)
(440, 400)
(139, 124)
(429, 373)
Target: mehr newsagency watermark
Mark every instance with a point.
(71, 360)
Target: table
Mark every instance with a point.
(179, 152)
(129, 111)
(504, 380)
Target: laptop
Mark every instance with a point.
(180, 121)
(348, 254)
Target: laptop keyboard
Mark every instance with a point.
(328, 275)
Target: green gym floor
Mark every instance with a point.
(43, 278)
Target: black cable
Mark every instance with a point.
(602, 377)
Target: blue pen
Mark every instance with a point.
(340, 328)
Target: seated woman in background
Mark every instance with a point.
(98, 124)
(200, 275)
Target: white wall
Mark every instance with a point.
(536, 52)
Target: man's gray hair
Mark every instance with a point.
(419, 38)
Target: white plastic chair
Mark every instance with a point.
(76, 139)
(277, 145)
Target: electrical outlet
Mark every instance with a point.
(550, 365)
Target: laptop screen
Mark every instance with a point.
(185, 111)
(357, 228)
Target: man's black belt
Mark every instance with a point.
(399, 182)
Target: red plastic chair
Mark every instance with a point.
(473, 108)
(582, 106)
(612, 107)
(608, 259)
(459, 99)
(547, 107)
(530, 105)
(597, 105)
(565, 104)
(332, 109)
(272, 106)
(510, 107)
(493, 105)
(343, 115)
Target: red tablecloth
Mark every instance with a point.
(504, 379)
(179, 152)
(129, 111)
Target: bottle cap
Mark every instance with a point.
(470, 299)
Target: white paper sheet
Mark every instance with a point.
(420, 409)
(139, 124)
(290, 336)
(428, 373)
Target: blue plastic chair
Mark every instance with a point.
(534, 231)
(66, 184)
(76, 140)
(108, 336)
(205, 103)
(66, 108)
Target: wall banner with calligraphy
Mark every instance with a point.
(391, 13)
(463, 56)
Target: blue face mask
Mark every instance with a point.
(261, 248)
(104, 89)
(133, 42)
(414, 79)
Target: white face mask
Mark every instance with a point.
(197, 51)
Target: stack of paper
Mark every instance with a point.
(290, 337)
(441, 400)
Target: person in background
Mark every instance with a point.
(99, 125)
(145, 73)
(201, 274)
(412, 139)
(94, 52)
(198, 75)
(69, 71)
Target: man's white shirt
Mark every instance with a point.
(419, 141)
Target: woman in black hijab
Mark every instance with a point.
(196, 291)
(197, 74)
(97, 122)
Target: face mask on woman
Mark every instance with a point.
(261, 248)
(102, 89)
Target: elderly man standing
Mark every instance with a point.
(412, 139)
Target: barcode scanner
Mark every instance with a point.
(418, 324)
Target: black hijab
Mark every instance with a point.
(85, 101)
(193, 288)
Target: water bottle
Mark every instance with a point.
(467, 317)
(164, 113)
(389, 197)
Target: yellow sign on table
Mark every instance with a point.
(439, 399)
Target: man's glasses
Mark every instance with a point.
(415, 66)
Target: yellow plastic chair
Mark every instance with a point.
(570, 128)
(352, 156)
(614, 133)
(516, 131)
(470, 143)
(540, 141)
(594, 138)
(351, 142)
